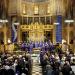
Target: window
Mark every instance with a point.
(42, 20)
(48, 9)
(36, 9)
(36, 19)
(25, 20)
(30, 20)
(24, 9)
(47, 20)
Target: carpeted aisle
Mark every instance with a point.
(36, 68)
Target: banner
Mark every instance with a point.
(59, 29)
(14, 33)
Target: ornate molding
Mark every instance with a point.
(36, 27)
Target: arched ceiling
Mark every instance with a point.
(34, 1)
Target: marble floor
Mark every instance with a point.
(36, 68)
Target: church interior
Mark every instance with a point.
(37, 37)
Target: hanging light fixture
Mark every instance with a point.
(16, 23)
(3, 21)
(56, 23)
(69, 21)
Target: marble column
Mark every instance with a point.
(5, 34)
(18, 34)
(68, 33)
(74, 38)
(54, 34)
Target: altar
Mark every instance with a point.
(36, 32)
(36, 50)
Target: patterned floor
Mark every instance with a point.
(36, 68)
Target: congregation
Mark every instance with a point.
(53, 59)
(15, 64)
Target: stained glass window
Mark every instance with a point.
(48, 9)
(24, 9)
(36, 9)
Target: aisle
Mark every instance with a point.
(36, 68)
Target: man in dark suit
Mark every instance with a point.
(66, 69)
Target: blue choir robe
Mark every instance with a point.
(23, 46)
(36, 44)
(31, 47)
(41, 44)
(46, 46)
